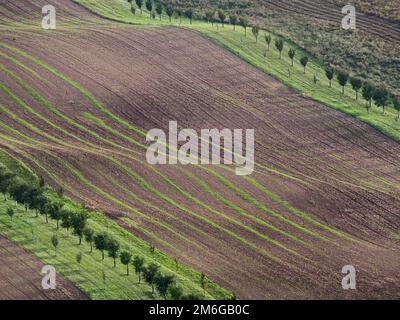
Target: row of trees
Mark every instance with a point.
(157, 8)
(32, 195)
(380, 95)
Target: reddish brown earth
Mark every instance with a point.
(329, 170)
(21, 278)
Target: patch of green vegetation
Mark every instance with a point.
(32, 233)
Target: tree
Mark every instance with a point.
(66, 219)
(244, 23)
(88, 233)
(150, 273)
(368, 93)
(210, 15)
(53, 209)
(342, 77)
(159, 9)
(149, 6)
(133, 10)
(329, 72)
(315, 78)
(233, 21)
(152, 248)
(60, 191)
(189, 15)
(18, 191)
(163, 283)
(6, 181)
(396, 105)
(268, 40)
(100, 242)
(10, 213)
(139, 4)
(79, 259)
(55, 242)
(42, 182)
(112, 247)
(304, 62)
(176, 292)
(279, 46)
(138, 263)
(203, 282)
(291, 54)
(126, 258)
(78, 224)
(178, 13)
(170, 12)
(356, 84)
(222, 17)
(39, 202)
(381, 96)
(255, 30)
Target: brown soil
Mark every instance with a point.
(338, 170)
(21, 278)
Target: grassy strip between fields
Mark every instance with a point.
(34, 235)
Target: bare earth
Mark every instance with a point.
(21, 278)
(325, 192)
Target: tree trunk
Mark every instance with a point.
(127, 269)
(357, 95)
(102, 255)
(152, 288)
(58, 225)
(91, 247)
(47, 219)
(139, 277)
(115, 264)
(330, 83)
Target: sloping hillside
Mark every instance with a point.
(76, 104)
(21, 278)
